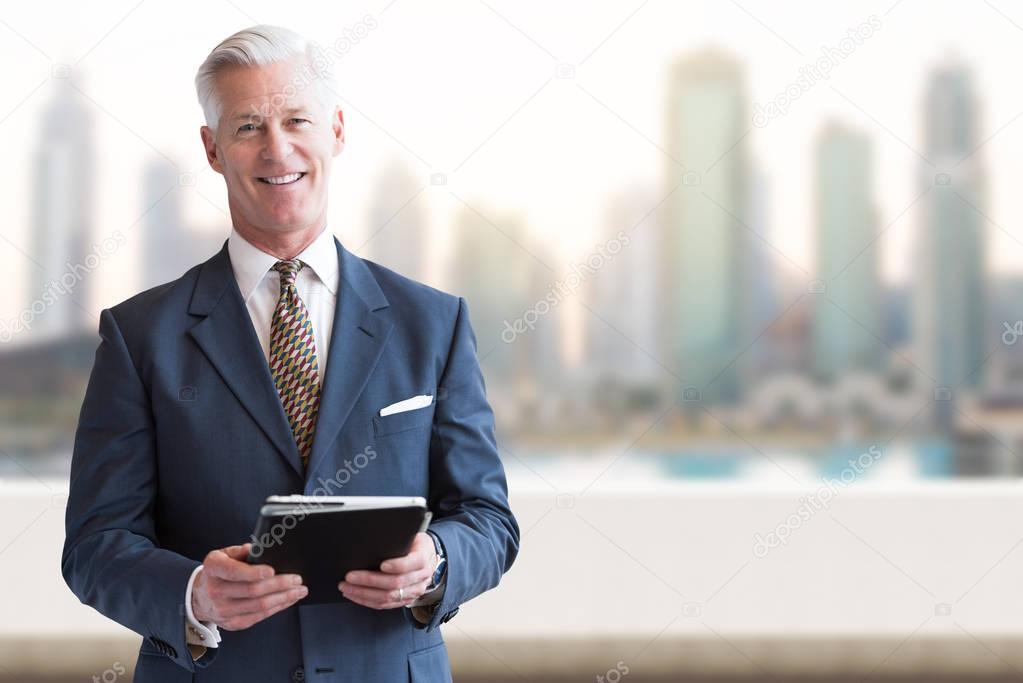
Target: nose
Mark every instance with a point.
(278, 147)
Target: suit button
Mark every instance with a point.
(168, 650)
(164, 647)
(298, 675)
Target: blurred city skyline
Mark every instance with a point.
(595, 121)
(707, 295)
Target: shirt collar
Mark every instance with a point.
(251, 264)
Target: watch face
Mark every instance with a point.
(438, 573)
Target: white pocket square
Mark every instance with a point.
(407, 404)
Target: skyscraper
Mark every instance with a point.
(491, 268)
(706, 234)
(165, 249)
(397, 222)
(170, 246)
(623, 291)
(763, 285)
(62, 213)
(950, 299)
(847, 317)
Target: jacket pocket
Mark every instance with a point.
(404, 421)
(429, 665)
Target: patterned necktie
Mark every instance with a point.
(293, 362)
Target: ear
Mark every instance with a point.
(338, 126)
(209, 142)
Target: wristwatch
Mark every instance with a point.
(442, 562)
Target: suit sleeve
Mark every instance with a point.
(468, 490)
(112, 559)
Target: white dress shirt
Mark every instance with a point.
(317, 284)
(260, 286)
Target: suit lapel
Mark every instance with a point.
(226, 335)
(356, 343)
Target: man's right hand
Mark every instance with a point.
(234, 594)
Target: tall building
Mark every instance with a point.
(491, 268)
(397, 222)
(623, 291)
(950, 301)
(706, 233)
(62, 214)
(848, 314)
(538, 358)
(763, 285)
(164, 242)
(170, 246)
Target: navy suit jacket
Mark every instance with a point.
(182, 436)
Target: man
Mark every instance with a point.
(283, 364)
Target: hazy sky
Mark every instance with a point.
(432, 82)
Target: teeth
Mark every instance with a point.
(284, 179)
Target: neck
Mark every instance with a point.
(283, 245)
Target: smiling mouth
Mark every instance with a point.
(283, 179)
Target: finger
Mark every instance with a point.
(222, 565)
(244, 621)
(250, 606)
(368, 597)
(238, 552)
(404, 565)
(241, 553)
(255, 589)
(385, 599)
(386, 581)
(411, 594)
(419, 556)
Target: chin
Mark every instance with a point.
(289, 222)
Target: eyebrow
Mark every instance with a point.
(251, 116)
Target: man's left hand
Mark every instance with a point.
(411, 574)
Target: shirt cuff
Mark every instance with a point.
(203, 634)
(431, 597)
(424, 607)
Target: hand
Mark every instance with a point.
(234, 594)
(412, 573)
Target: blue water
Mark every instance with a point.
(924, 459)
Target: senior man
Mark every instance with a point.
(269, 369)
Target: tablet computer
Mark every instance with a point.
(322, 538)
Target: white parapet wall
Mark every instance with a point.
(657, 579)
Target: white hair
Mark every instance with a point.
(260, 45)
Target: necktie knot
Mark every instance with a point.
(288, 270)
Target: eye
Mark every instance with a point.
(301, 120)
(248, 127)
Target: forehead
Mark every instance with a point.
(275, 87)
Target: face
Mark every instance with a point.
(275, 143)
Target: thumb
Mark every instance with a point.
(238, 552)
